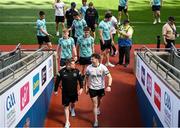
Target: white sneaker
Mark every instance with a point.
(119, 23)
(73, 114)
(67, 125)
(159, 20)
(96, 124)
(116, 53)
(109, 64)
(155, 22)
(98, 111)
(57, 33)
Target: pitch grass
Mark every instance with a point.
(27, 11)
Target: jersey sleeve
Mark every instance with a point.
(87, 73)
(96, 16)
(59, 42)
(92, 40)
(72, 42)
(58, 79)
(81, 10)
(39, 24)
(84, 23)
(100, 26)
(105, 70)
(80, 79)
(73, 24)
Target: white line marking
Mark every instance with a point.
(21, 23)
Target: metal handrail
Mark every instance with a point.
(158, 59)
(19, 61)
(19, 69)
(17, 48)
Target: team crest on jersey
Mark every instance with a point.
(74, 74)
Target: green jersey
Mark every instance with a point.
(79, 26)
(85, 46)
(105, 27)
(41, 24)
(123, 3)
(66, 47)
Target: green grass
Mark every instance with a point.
(27, 11)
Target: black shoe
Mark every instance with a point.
(126, 65)
(119, 63)
(77, 61)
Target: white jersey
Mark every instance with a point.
(96, 76)
(59, 8)
(113, 24)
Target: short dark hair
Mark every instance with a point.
(68, 61)
(41, 13)
(108, 15)
(73, 4)
(97, 56)
(87, 29)
(171, 18)
(76, 14)
(90, 3)
(125, 21)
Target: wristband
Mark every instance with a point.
(109, 86)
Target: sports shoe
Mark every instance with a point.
(116, 53)
(96, 124)
(159, 20)
(109, 64)
(57, 33)
(98, 111)
(67, 125)
(119, 23)
(73, 114)
(155, 21)
(126, 65)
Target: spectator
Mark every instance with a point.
(125, 42)
(169, 32)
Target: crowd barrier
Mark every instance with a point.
(158, 86)
(26, 86)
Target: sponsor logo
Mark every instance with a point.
(10, 101)
(43, 75)
(149, 84)
(35, 84)
(24, 96)
(143, 75)
(49, 63)
(138, 68)
(167, 117)
(167, 101)
(10, 110)
(50, 72)
(75, 74)
(157, 96)
(167, 109)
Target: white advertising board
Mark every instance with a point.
(16, 101)
(165, 103)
